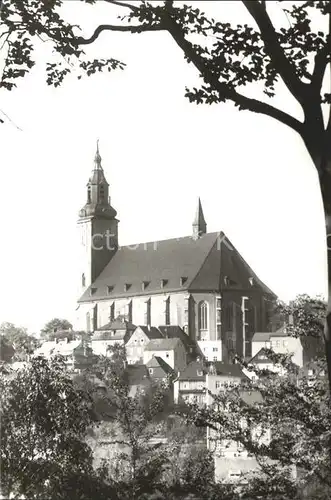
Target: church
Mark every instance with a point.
(198, 282)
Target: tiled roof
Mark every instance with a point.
(50, 348)
(261, 357)
(156, 362)
(203, 261)
(175, 331)
(162, 345)
(228, 369)
(192, 370)
(151, 332)
(261, 337)
(136, 374)
(266, 336)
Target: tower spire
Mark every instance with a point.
(97, 158)
(199, 225)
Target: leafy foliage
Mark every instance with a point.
(19, 339)
(44, 420)
(24, 25)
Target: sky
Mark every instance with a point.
(159, 153)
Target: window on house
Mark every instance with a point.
(144, 285)
(215, 358)
(203, 317)
(150, 370)
(217, 385)
(95, 317)
(285, 343)
(112, 312)
(88, 322)
(129, 311)
(147, 315)
(167, 311)
(167, 355)
(215, 349)
(277, 343)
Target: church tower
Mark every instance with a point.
(199, 225)
(97, 226)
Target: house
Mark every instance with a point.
(159, 370)
(172, 351)
(212, 350)
(138, 341)
(190, 385)
(303, 349)
(115, 332)
(199, 282)
(77, 353)
(200, 380)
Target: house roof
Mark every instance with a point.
(158, 363)
(203, 262)
(228, 369)
(136, 374)
(175, 331)
(51, 347)
(151, 332)
(162, 345)
(192, 370)
(261, 357)
(266, 336)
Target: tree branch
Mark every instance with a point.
(110, 27)
(223, 89)
(282, 64)
(123, 4)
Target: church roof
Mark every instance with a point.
(179, 264)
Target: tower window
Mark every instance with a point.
(167, 311)
(102, 192)
(203, 317)
(148, 312)
(83, 280)
(89, 194)
(112, 312)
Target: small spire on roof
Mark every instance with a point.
(97, 158)
(199, 224)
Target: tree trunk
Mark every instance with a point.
(319, 147)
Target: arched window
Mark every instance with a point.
(203, 317)
(89, 194)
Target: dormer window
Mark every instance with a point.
(200, 373)
(183, 280)
(251, 281)
(164, 283)
(92, 291)
(127, 287)
(110, 288)
(145, 284)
